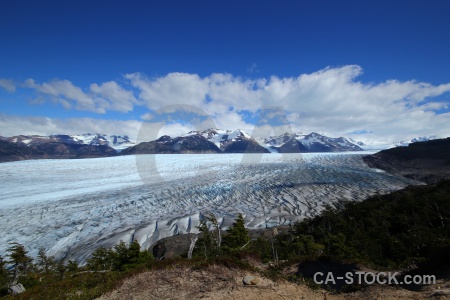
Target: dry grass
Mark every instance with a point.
(219, 282)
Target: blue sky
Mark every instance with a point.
(367, 69)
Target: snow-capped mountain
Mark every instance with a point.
(229, 141)
(211, 141)
(359, 143)
(116, 142)
(51, 149)
(169, 145)
(206, 141)
(369, 146)
(238, 141)
(414, 140)
(313, 142)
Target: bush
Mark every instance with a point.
(120, 258)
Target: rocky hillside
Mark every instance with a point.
(168, 145)
(10, 151)
(427, 161)
(219, 282)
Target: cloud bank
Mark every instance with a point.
(331, 101)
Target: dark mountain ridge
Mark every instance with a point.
(10, 151)
(425, 161)
(178, 145)
(117, 142)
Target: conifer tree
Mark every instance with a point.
(237, 235)
(44, 262)
(205, 242)
(208, 242)
(72, 266)
(19, 260)
(3, 274)
(101, 259)
(122, 255)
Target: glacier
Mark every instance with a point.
(71, 207)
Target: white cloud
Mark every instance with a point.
(116, 97)
(232, 121)
(330, 101)
(21, 125)
(175, 129)
(147, 116)
(8, 85)
(67, 94)
(174, 88)
(15, 125)
(234, 92)
(100, 98)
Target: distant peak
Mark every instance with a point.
(164, 138)
(314, 134)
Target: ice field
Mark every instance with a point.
(70, 207)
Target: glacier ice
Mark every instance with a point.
(71, 207)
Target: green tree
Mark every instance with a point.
(3, 275)
(45, 263)
(101, 259)
(236, 236)
(209, 242)
(19, 260)
(72, 266)
(217, 233)
(262, 247)
(135, 257)
(122, 255)
(205, 244)
(145, 258)
(61, 269)
(134, 251)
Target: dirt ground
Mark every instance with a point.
(218, 282)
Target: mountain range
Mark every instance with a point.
(414, 140)
(238, 141)
(12, 151)
(61, 146)
(313, 142)
(116, 142)
(207, 141)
